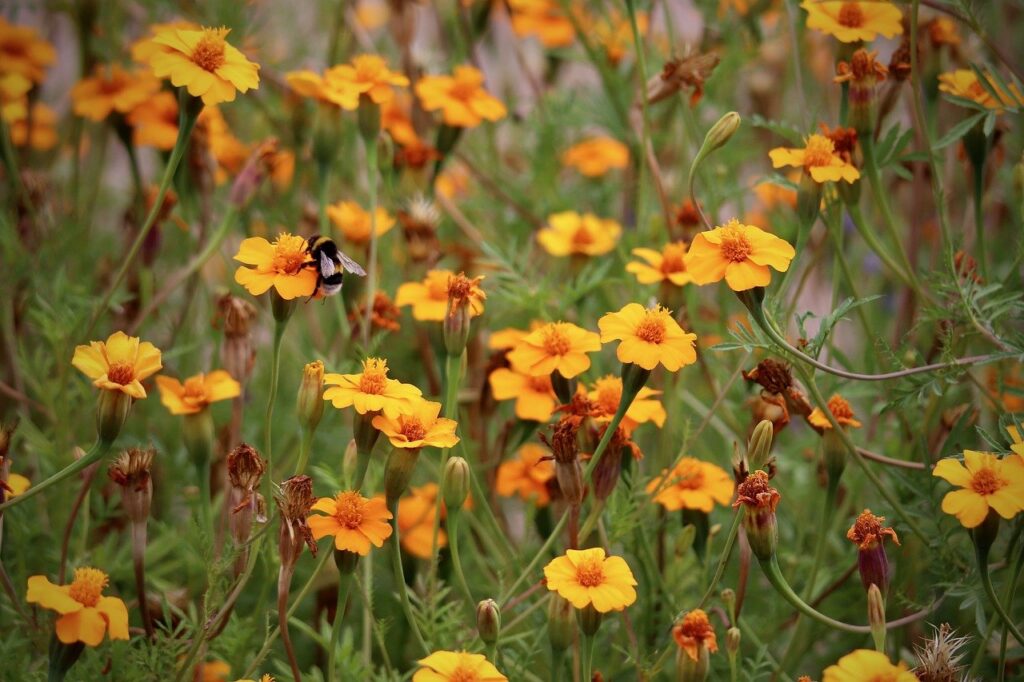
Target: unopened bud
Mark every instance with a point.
(729, 599)
(398, 470)
(561, 622)
(364, 432)
(346, 561)
(131, 472)
(464, 294)
(760, 445)
(488, 621)
(281, 308)
(455, 485)
(693, 670)
(876, 616)
(590, 620)
(732, 641)
(309, 405)
(833, 453)
(723, 129)
(112, 408)
(198, 433)
(570, 481)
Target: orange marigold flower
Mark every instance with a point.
(740, 254)
(694, 632)
(23, 52)
(534, 395)
(367, 75)
(596, 156)
(155, 122)
(866, 664)
(198, 391)
(570, 233)
(416, 512)
(543, 19)
(667, 265)
(692, 484)
(112, 88)
(986, 483)
(396, 120)
(818, 157)
(354, 521)
(429, 298)
(419, 427)
(203, 62)
(283, 264)
(649, 336)
(118, 364)
(354, 221)
(461, 98)
(589, 578)
(1017, 444)
(85, 614)
(556, 346)
(964, 83)
(840, 409)
(457, 666)
(212, 671)
(527, 475)
(606, 394)
(371, 391)
(850, 22)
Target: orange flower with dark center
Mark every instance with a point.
(694, 632)
(867, 531)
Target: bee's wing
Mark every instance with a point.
(350, 265)
(327, 267)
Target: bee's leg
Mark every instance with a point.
(319, 281)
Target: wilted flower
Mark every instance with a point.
(429, 298)
(841, 411)
(868, 534)
(294, 502)
(759, 500)
(695, 635)
(941, 657)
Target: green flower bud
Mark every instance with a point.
(590, 620)
(112, 409)
(398, 472)
(488, 621)
(309, 406)
(561, 622)
(760, 444)
(455, 484)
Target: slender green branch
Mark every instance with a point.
(400, 586)
(453, 543)
(774, 574)
(95, 454)
(555, 532)
(730, 540)
(997, 605)
(344, 583)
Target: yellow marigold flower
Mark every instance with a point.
(560, 346)
(506, 339)
(354, 521)
(568, 233)
(535, 398)
(23, 52)
(741, 254)
(606, 394)
(457, 666)
(527, 475)
(840, 409)
(85, 614)
(964, 83)
(371, 391)
(155, 122)
(203, 61)
(367, 75)
(649, 336)
(543, 19)
(694, 632)
(667, 265)
(416, 512)
(198, 391)
(818, 157)
(986, 482)
(596, 156)
(866, 665)
(419, 427)
(43, 135)
(354, 221)
(461, 98)
(264, 678)
(118, 364)
(429, 298)
(15, 485)
(283, 264)
(587, 577)
(850, 22)
(692, 484)
(112, 89)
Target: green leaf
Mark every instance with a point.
(958, 131)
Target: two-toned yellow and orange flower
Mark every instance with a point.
(986, 483)
(197, 392)
(527, 475)
(421, 426)
(110, 89)
(86, 615)
(555, 346)
(692, 484)
(965, 84)
(461, 98)
(667, 265)
(282, 264)
(694, 632)
(851, 22)
(203, 62)
(354, 521)
(588, 577)
(648, 337)
(740, 254)
(596, 156)
(429, 298)
(866, 664)
(120, 363)
(371, 390)
(24, 52)
(841, 411)
(818, 157)
(570, 233)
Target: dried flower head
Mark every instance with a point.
(689, 72)
(941, 657)
(132, 467)
(867, 531)
(245, 467)
(385, 315)
(295, 501)
(772, 375)
(757, 492)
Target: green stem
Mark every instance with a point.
(641, 61)
(625, 401)
(452, 370)
(305, 444)
(371, 266)
(275, 368)
(586, 657)
(888, 218)
(997, 605)
(884, 254)
(344, 583)
(323, 183)
(774, 574)
(95, 453)
(453, 542)
(1011, 592)
(979, 215)
(400, 586)
(205, 495)
(730, 540)
(555, 532)
(186, 122)
(592, 519)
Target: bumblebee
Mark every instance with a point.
(330, 263)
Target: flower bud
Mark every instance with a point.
(833, 453)
(245, 469)
(760, 444)
(198, 433)
(589, 619)
(112, 408)
(488, 621)
(346, 561)
(876, 616)
(463, 293)
(869, 534)
(561, 622)
(309, 405)
(363, 431)
(349, 462)
(732, 640)
(368, 116)
(131, 472)
(281, 308)
(808, 202)
(570, 481)
(398, 470)
(759, 500)
(691, 670)
(723, 129)
(237, 354)
(862, 73)
(455, 485)
(565, 449)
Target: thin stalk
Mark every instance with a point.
(979, 215)
(586, 657)
(884, 254)
(882, 199)
(641, 61)
(730, 540)
(371, 266)
(452, 371)
(186, 122)
(453, 543)
(1011, 592)
(284, 583)
(555, 532)
(275, 368)
(139, 564)
(400, 586)
(305, 443)
(997, 605)
(774, 574)
(371, 624)
(344, 583)
(95, 454)
(81, 500)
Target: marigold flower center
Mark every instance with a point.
(461, 674)
(582, 237)
(87, 587)
(121, 373)
(194, 389)
(541, 384)
(839, 408)
(672, 259)
(689, 476)
(348, 509)
(987, 482)
(651, 329)
(412, 428)
(590, 573)
(288, 260)
(556, 342)
(374, 378)
(819, 151)
(609, 393)
(735, 246)
(851, 15)
(208, 54)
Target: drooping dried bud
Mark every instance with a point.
(690, 72)
(488, 621)
(455, 484)
(131, 472)
(868, 533)
(759, 500)
(773, 376)
(941, 657)
(245, 470)
(900, 62)
(309, 406)
(294, 502)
